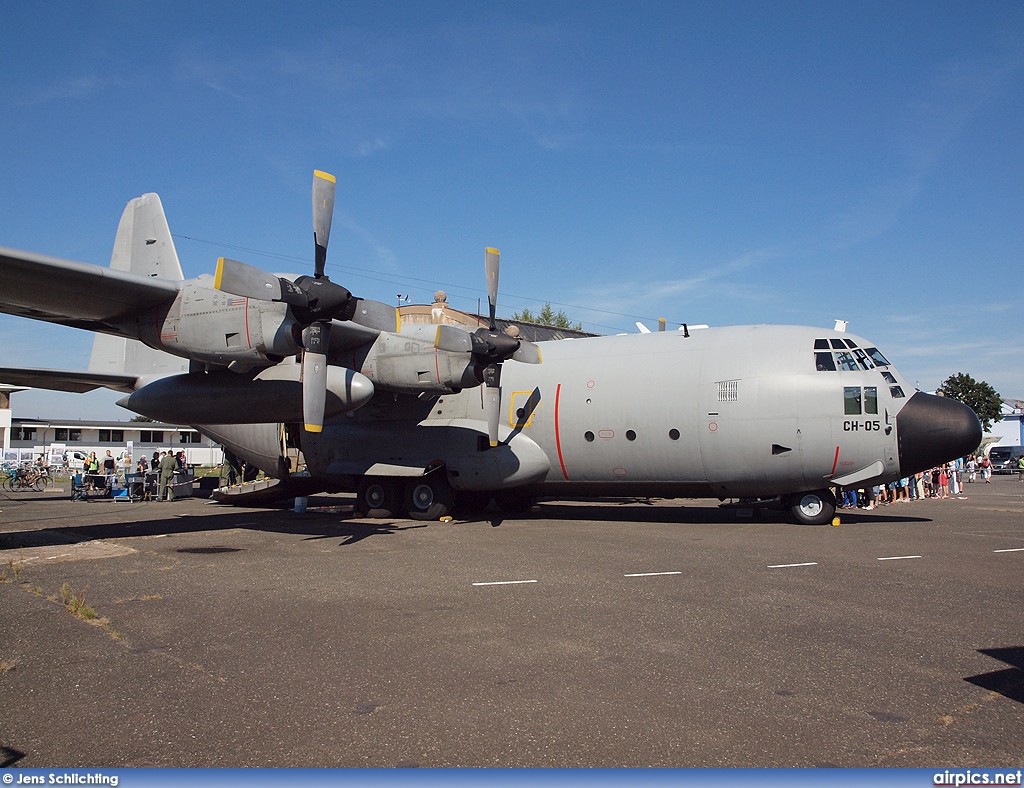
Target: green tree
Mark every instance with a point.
(547, 317)
(978, 396)
(141, 418)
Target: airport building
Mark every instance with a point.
(25, 440)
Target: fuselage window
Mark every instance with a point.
(863, 360)
(877, 357)
(851, 400)
(673, 434)
(888, 377)
(824, 362)
(896, 391)
(846, 362)
(870, 399)
(838, 344)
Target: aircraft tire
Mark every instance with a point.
(816, 507)
(378, 498)
(429, 497)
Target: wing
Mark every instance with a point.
(76, 294)
(67, 380)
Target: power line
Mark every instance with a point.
(402, 279)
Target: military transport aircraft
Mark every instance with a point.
(420, 419)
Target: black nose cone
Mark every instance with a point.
(933, 430)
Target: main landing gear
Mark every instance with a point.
(816, 507)
(427, 497)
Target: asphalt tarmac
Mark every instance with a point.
(616, 633)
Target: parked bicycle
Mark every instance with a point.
(26, 477)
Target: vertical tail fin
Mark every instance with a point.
(143, 245)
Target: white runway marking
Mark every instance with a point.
(652, 574)
(787, 566)
(1010, 550)
(504, 582)
(898, 557)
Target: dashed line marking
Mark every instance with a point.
(504, 582)
(651, 574)
(1010, 550)
(788, 566)
(897, 557)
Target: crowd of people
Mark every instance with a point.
(943, 482)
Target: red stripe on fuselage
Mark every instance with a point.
(558, 437)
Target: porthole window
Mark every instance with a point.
(673, 434)
(589, 436)
(630, 435)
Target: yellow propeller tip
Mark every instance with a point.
(314, 428)
(325, 175)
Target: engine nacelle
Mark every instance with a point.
(222, 397)
(207, 325)
(408, 362)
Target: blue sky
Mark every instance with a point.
(718, 163)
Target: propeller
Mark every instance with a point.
(314, 301)
(489, 347)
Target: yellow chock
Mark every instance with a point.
(447, 519)
(835, 521)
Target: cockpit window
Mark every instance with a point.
(824, 362)
(846, 362)
(851, 400)
(851, 344)
(896, 391)
(821, 344)
(888, 377)
(877, 357)
(863, 360)
(870, 399)
(838, 344)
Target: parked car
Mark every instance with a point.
(1004, 458)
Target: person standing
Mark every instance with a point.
(1020, 468)
(168, 465)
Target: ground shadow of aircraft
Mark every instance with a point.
(1008, 682)
(313, 525)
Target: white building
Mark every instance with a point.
(1010, 430)
(28, 439)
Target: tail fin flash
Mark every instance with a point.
(143, 244)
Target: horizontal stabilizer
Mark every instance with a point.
(67, 380)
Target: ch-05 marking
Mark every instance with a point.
(868, 425)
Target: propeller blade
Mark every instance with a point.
(242, 279)
(492, 401)
(453, 339)
(528, 353)
(316, 340)
(376, 314)
(492, 262)
(324, 187)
